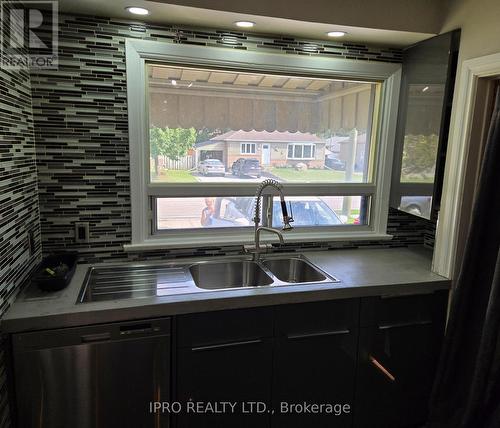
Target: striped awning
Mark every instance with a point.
(185, 97)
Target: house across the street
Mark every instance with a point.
(340, 147)
(270, 148)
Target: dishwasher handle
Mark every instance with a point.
(122, 331)
(44, 339)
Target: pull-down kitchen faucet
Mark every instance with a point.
(287, 219)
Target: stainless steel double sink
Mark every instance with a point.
(148, 280)
(248, 273)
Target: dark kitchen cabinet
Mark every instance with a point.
(315, 363)
(399, 346)
(231, 361)
(366, 362)
(363, 362)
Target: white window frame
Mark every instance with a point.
(313, 151)
(142, 192)
(246, 145)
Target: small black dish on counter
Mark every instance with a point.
(55, 271)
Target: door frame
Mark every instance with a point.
(448, 226)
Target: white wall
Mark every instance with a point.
(424, 16)
(480, 23)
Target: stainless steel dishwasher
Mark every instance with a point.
(98, 376)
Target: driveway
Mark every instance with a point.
(230, 178)
(180, 212)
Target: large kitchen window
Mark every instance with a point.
(212, 130)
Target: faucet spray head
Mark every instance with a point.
(287, 219)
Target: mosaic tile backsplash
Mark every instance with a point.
(19, 215)
(80, 114)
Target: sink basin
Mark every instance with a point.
(294, 270)
(234, 274)
(148, 280)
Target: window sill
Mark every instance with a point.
(248, 238)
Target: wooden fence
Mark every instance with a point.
(185, 162)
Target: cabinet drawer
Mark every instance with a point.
(388, 312)
(224, 326)
(317, 318)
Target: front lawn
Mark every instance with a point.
(417, 179)
(353, 215)
(327, 175)
(175, 176)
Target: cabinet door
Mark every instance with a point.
(235, 372)
(315, 368)
(315, 361)
(426, 98)
(395, 374)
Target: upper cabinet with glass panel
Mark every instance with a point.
(210, 125)
(423, 122)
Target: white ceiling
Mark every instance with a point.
(181, 77)
(161, 13)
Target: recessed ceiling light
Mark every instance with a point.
(245, 24)
(336, 33)
(137, 10)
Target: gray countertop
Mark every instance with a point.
(362, 272)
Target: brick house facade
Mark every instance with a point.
(270, 148)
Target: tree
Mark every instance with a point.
(419, 155)
(205, 134)
(170, 142)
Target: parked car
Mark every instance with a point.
(211, 167)
(417, 205)
(247, 167)
(307, 211)
(334, 163)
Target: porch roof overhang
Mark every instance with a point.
(181, 97)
